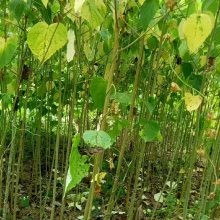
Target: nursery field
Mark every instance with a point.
(109, 110)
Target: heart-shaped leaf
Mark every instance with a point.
(97, 139)
(94, 12)
(150, 131)
(192, 102)
(78, 5)
(44, 40)
(147, 12)
(17, 8)
(195, 29)
(7, 50)
(45, 2)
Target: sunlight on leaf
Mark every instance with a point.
(158, 197)
(11, 87)
(44, 40)
(7, 50)
(97, 139)
(170, 184)
(192, 102)
(94, 12)
(78, 5)
(195, 29)
(182, 171)
(45, 2)
(17, 8)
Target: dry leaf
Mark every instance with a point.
(175, 87)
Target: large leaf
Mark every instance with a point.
(44, 40)
(17, 7)
(147, 12)
(210, 5)
(195, 81)
(78, 6)
(151, 104)
(187, 69)
(150, 131)
(97, 139)
(78, 168)
(45, 11)
(192, 102)
(195, 29)
(94, 12)
(7, 50)
(97, 90)
(122, 97)
(45, 2)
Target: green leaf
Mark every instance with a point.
(122, 97)
(151, 104)
(45, 2)
(216, 37)
(78, 168)
(24, 201)
(45, 12)
(117, 127)
(152, 43)
(97, 90)
(217, 66)
(183, 49)
(205, 217)
(187, 69)
(44, 40)
(7, 50)
(97, 139)
(147, 12)
(150, 131)
(94, 12)
(78, 6)
(195, 81)
(17, 7)
(210, 5)
(11, 87)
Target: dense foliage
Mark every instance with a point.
(109, 109)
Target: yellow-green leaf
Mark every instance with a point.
(94, 12)
(7, 50)
(45, 2)
(195, 29)
(192, 102)
(78, 5)
(44, 40)
(11, 87)
(99, 177)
